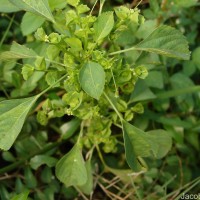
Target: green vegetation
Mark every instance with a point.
(99, 99)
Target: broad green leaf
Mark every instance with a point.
(155, 79)
(30, 23)
(131, 157)
(71, 169)
(103, 25)
(58, 4)
(38, 7)
(87, 188)
(167, 41)
(22, 196)
(12, 116)
(160, 142)
(154, 143)
(39, 160)
(74, 43)
(7, 7)
(17, 51)
(138, 139)
(92, 79)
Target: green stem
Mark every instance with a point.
(81, 132)
(8, 28)
(93, 7)
(101, 6)
(124, 50)
(100, 156)
(22, 161)
(44, 91)
(113, 106)
(116, 90)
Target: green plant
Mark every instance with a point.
(90, 69)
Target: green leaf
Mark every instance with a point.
(38, 7)
(71, 169)
(103, 25)
(167, 41)
(30, 23)
(73, 2)
(27, 71)
(59, 4)
(22, 196)
(29, 178)
(160, 142)
(39, 160)
(92, 79)
(51, 78)
(82, 9)
(138, 143)
(185, 3)
(141, 92)
(131, 156)
(87, 188)
(7, 7)
(74, 43)
(17, 51)
(13, 114)
(69, 128)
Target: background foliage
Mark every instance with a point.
(168, 98)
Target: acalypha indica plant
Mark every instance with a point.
(86, 64)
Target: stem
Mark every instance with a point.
(93, 7)
(116, 90)
(113, 106)
(44, 91)
(5, 92)
(100, 156)
(101, 6)
(122, 51)
(22, 161)
(81, 132)
(8, 28)
(136, 192)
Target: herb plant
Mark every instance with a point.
(81, 64)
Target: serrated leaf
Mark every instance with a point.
(38, 7)
(71, 169)
(167, 41)
(17, 51)
(92, 79)
(13, 114)
(30, 23)
(103, 25)
(7, 7)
